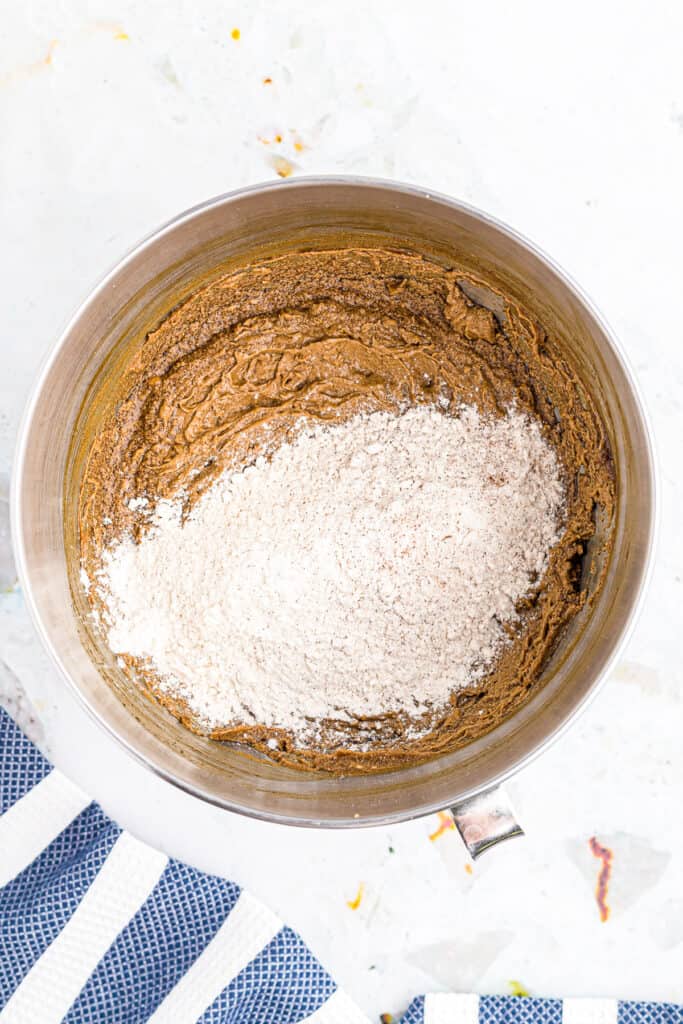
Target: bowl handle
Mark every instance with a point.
(485, 820)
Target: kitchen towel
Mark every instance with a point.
(99, 928)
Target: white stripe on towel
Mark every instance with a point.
(121, 886)
(247, 930)
(446, 1008)
(337, 1010)
(35, 820)
(590, 1011)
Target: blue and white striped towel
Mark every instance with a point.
(98, 928)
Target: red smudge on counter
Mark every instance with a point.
(446, 823)
(606, 855)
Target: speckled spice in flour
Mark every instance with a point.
(346, 577)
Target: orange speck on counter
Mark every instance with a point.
(386, 1018)
(355, 903)
(268, 80)
(278, 137)
(468, 869)
(47, 59)
(299, 146)
(606, 855)
(282, 165)
(446, 823)
(235, 34)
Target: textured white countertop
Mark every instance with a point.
(565, 122)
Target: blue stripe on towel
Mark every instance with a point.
(157, 947)
(520, 1010)
(650, 1013)
(284, 983)
(415, 1014)
(23, 766)
(35, 906)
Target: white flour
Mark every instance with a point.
(366, 567)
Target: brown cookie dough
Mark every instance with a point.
(325, 335)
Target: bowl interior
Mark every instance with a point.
(160, 273)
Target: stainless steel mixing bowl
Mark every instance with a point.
(194, 248)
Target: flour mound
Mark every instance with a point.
(366, 567)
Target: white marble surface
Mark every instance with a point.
(568, 123)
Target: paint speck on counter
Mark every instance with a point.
(47, 59)
(356, 901)
(268, 80)
(606, 855)
(517, 989)
(468, 869)
(168, 71)
(446, 823)
(282, 165)
(44, 63)
(123, 36)
(235, 34)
